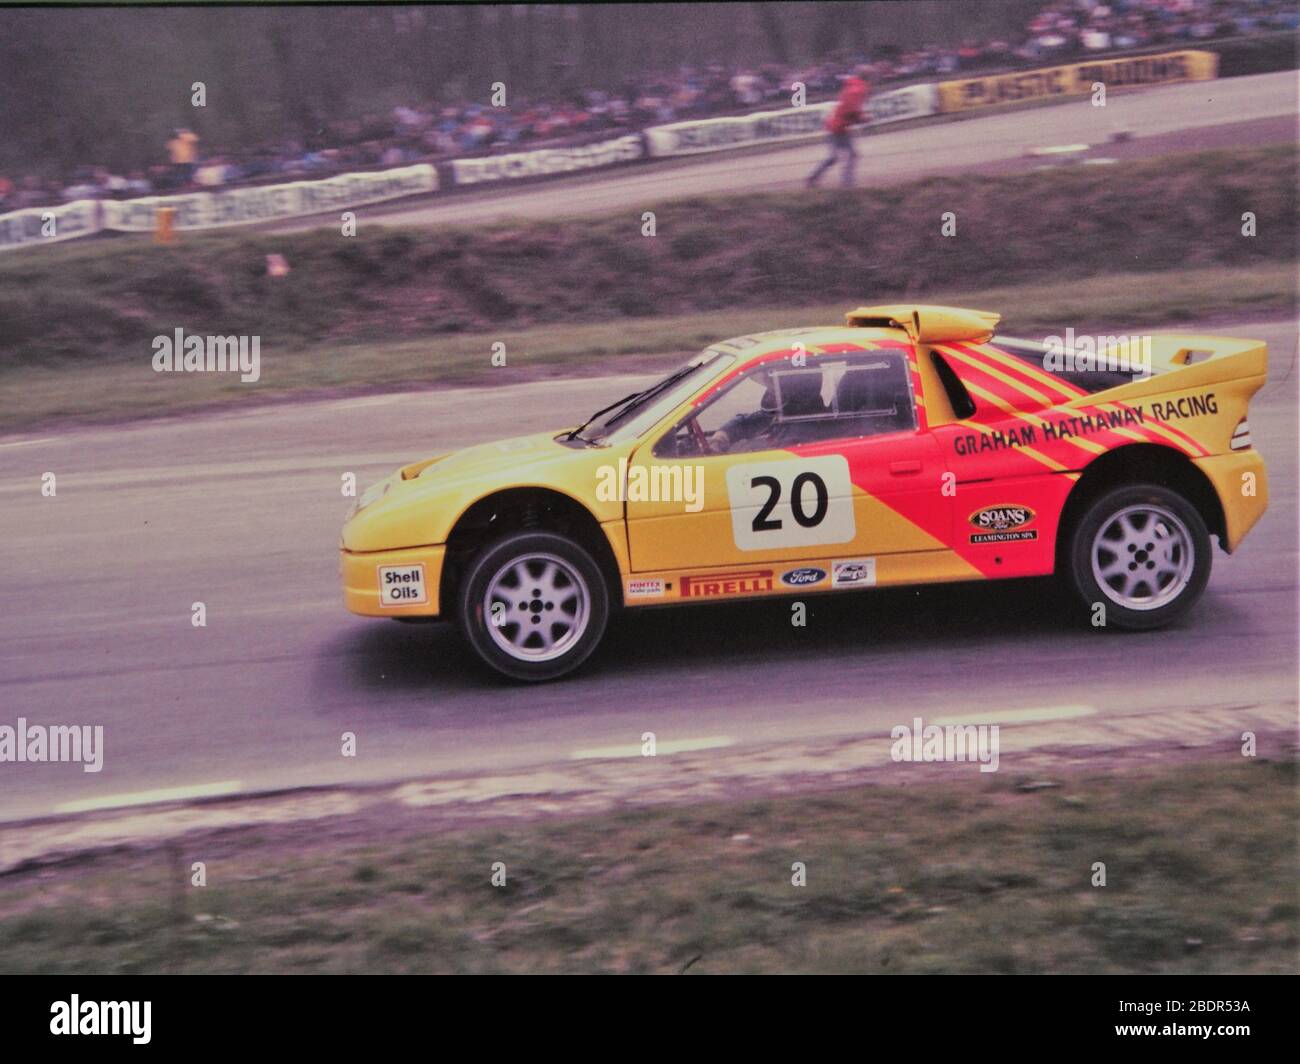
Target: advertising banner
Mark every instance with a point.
(543, 161)
(211, 210)
(766, 127)
(1077, 79)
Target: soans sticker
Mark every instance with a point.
(647, 587)
(799, 502)
(1003, 524)
(402, 585)
(803, 577)
(1001, 518)
(854, 572)
(1005, 537)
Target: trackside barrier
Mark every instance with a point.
(1077, 79)
(45, 225)
(213, 210)
(790, 123)
(541, 162)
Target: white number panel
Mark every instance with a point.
(795, 502)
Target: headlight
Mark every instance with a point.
(372, 494)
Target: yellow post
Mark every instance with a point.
(164, 231)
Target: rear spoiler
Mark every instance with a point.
(1180, 362)
(1215, 358)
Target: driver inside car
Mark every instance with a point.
(800, 396)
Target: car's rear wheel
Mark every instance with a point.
(533, 605)
(1142, 552)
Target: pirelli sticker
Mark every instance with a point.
(744, 582)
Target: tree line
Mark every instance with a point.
(106, 86)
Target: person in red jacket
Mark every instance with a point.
(847, 114)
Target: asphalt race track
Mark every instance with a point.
(1235, 112)
(241, 511)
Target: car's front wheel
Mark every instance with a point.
(1143, 553)
(533, 605)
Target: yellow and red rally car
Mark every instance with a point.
(908, 446)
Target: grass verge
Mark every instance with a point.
(970, 876)
(123, 389)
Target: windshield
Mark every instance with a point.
(633, 415)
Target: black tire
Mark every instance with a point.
(549, 596)
(1143, 552)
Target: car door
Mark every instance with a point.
(824, 460)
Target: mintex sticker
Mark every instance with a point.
(646, 588)
(402, 585)
(854, 572)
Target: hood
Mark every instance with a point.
(485, 457)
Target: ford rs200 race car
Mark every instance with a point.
(908, 446)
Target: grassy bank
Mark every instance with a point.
(104, 301)
(113, 389)
(971, 876)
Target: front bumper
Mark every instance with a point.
(361, 580)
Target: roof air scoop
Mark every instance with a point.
(928, 324)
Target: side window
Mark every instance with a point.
(772, 406)
(873, 396)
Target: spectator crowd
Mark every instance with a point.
(1062, 31)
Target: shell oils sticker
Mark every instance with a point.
(647, 587)
(402, 585)
(1003, 524)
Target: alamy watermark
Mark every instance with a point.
(652, 483)
(179, 353)
(75, 1017)
(40, 743)
(950, 742)
(1098, 354)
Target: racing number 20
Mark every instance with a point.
(763, 520)
(791, 502)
